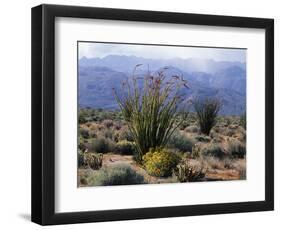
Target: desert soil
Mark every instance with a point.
(211, 175)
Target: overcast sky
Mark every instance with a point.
(89, 50)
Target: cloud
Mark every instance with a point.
(91, 49)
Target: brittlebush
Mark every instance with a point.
(160, 162)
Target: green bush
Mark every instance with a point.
(101, 145)
(121, 174)
(107, 133)
(82, 143)
(207, 111)
(213, 149)
(160, 162)
(125, 147)
(124, 134)
(180, 142)
(237, 149)
(151, 107)
(93, 160)
(89, 115)
(185, 172)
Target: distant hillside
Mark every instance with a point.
(224, 80)
(127, 63)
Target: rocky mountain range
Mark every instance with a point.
(206, 78)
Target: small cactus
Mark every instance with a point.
(196, 151)
(188, 173)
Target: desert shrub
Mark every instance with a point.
(125, 134)
(93, 160)
(183, 155)
(233, 126)
(116, 136)
(196, 151)
(202, 138)
(214, 162)
(242, 174)
(92, 126)
(80, 159)
(101, 145)
(240, 136)
(83, 180)
(213, 134)
(99, 115)
(107, 123)
(228, 121)
(117, 125)
(191, 118)
(192, 129)
(243, 121)
(171, 179)
(217, 140)
(121, 174)
(86, 115)
(207, 111)
(228, 163)
(184, 124)
(82, 143)
(216, 129)
(224, 163)
(88, 124)
(151, 107)
(160, 162)
(213, 149)
(84, 133)
(180, 142)
(185, 172)
(83, 177)
(81, 119)
(92, 134)
(237, 149)
(229, 132)
(96, 127)
(125, 147)
(107, 133)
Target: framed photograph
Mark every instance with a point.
(142, 114)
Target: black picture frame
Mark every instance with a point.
(43, 114)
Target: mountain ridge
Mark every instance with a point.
(125, 63)
(96, 81)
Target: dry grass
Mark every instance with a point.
(214, 163)
(224, 134)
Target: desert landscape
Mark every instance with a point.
(152, 121)
(105, 144)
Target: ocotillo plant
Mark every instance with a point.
(207, 111)
(151, 106)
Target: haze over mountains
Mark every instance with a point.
(206, 78)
